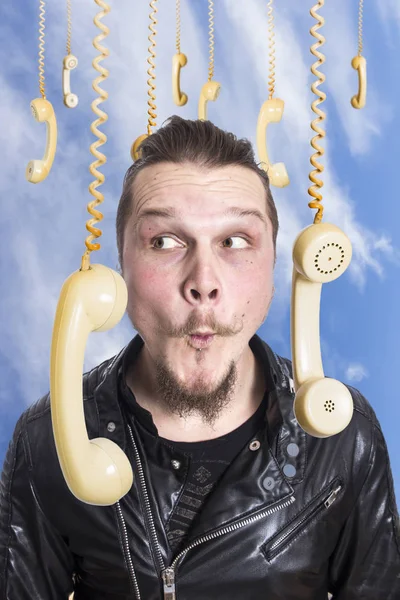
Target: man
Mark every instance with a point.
(231, 499)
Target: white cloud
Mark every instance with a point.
(356, 372)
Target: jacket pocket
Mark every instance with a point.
(320, 504)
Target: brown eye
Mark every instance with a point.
(160, 244)
(228, 243)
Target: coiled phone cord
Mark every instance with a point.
(178, 26)
(211, 39)
(314, 190)
(151, 82)
(41, 48)
(69, 27)
(102, 138)
(271, 46)
(360, 27)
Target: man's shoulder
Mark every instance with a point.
(90, 381)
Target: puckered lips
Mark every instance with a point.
(201, 339)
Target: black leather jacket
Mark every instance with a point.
(329, 525)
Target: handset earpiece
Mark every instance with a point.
(322, 406)
(96, 471)
(135, 148)
(271, 112)
(70, 62)
(43, 111)
(178, 61)
(209, 92)
(360, 64)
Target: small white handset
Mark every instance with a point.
(43, 111)
(271, 112)
(323, 406)
(70, 62)
(96, 471)
(360, 64)
(178, 61)
(209, 92)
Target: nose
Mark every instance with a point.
(202, 285)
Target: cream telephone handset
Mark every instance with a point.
(178, 61)
(323, 406)
(97, 471)
(360, 64)
(92, 299)
(43, 112)
(209, 92)
(70, 62)
(135, 148)
(271, 112)
(321, 253)
(211, 89)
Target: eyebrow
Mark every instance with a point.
(171, 213)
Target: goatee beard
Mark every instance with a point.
(183, 401)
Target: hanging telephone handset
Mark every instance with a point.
(178, 61)
(209, 92)
(43, 111)
(360, 64)
(70, 62)
(97, 471)
(271, 112)
(322, 406)
(92, 299)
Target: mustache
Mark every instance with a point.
(210, 323)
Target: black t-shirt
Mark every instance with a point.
(208, 461)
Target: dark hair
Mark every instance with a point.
(200, 143)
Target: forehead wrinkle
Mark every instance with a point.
(178, 178)
(171, 213)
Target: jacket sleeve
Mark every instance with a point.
(35, 561)
(366, 562)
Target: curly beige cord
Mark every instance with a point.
(271, 45)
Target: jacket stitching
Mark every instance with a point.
(97, 413)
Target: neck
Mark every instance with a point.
(246, 398)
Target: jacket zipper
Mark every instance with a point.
(131, 568)
(327, 502)
(168, 574)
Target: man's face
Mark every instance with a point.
(198, 258)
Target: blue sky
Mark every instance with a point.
(43, 226)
